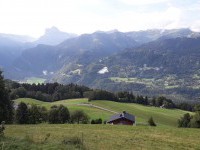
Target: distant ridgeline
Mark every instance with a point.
(50, 92)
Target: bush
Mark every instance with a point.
(184, 121)
(151, 122)
(96, 121)
(59, 114)
(195, 120)
(79, 116)
(2, 128)
(22, 115)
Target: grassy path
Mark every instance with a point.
(98, 107)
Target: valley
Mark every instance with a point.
(147, 62)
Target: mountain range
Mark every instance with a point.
(150, 62)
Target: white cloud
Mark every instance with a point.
(78, 16)
(129, 20)
(142, 2)
(196, 26)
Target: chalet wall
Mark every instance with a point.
(122, 121)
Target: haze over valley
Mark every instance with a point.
(164, 62)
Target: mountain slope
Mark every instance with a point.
(169, 66)
(9, 50)
(152, 35)
(161, 61)
(71, 55)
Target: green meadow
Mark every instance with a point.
(166, 136)
(163, 117)
(99, 137)
(32, 80)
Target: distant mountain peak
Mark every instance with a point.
(54, 36)
(109, 32)
(52, 30)
(113, 31)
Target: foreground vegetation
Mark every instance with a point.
(73, 136)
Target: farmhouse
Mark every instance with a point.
(123, 118)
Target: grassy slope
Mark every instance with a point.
(100, 137)
(32, 80)
(71, 105)
(161, 116)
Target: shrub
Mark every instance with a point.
(59, 114)
(2, 128)
(97, 121)
(151, 122)
(22, 115)
(195, 120)
(79, 116)
(184, 121)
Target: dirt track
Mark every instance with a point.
(98, 107)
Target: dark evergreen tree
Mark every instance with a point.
(34, 115)
(79, 116)
(59, 114)
(53, 115)
(146, 101)
(195, 121)
(151, 122)
(97, 121)
(63, 114)
(184, 121)
(6, 105)
(153, 101)
(92, 121)
(22, 115)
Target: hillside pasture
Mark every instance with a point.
(163, 117)
(98, 137)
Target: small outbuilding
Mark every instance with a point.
(123, 118)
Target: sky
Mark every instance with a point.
(32, 17)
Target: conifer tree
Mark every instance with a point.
(6, 106)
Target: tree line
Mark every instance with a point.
(53, 92)
(128, 97)
(48, 92)
(32, 114)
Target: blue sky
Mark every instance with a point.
(31, 17)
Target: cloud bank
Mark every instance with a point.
(33, 16)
